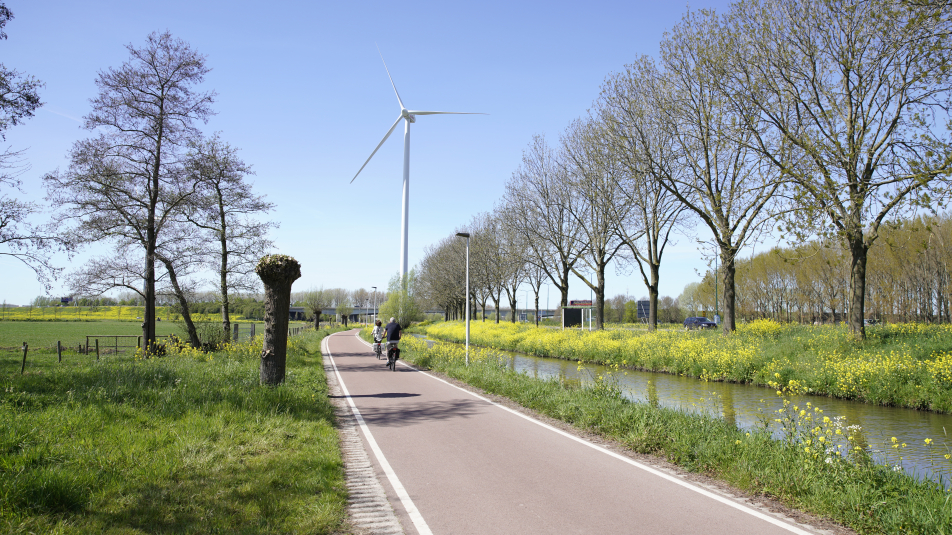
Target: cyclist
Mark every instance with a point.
(378, 334)
(393, 338)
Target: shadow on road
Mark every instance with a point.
(412, 413)
(380, 395)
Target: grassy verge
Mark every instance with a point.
(188, 443)
(803, 472)
(906, 365)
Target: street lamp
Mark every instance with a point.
(375, 304)
(466, 235)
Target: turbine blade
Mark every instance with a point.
(446, 113)
(378, 147)
(391, 79)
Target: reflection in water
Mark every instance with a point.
(652, 393)
(750, 407)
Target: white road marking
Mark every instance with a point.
(741, 507)
(408, 505)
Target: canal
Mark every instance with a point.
(750, 407)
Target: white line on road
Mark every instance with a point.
(743, 508)
(408, 505)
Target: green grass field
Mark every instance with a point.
(43, 335)
(187, 443)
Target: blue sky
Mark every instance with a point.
(303, 93)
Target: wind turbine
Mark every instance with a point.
(410, 117)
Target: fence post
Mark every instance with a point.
(235, 337)
(97, 349)
(252, 331)
(59, 351)
(23, 366)
(87, 346)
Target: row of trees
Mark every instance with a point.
(170, 201)
(908, 279)
(814, 119)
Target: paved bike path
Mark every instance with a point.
(453, 462)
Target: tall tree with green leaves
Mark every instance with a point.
(861, 91)
(402, 300)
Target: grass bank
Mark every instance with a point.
(188, 443)
(803, 471)
(904, 365)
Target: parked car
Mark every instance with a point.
(699, 323)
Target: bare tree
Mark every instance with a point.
(127, 182)
(862, 91)
(599, 211)
(227, 212)
(343, 304)
(711, 169)
(442, 275)
(316, 300)
(19, 98)
(538, 203)
(31, 245)
(624, 107)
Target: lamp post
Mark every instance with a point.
(375, 305)
(466, 235)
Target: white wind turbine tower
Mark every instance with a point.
(410, 117)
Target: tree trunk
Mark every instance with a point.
(600, 299)
(193, 339)
(858, 251)
(317, 321)
(653, 297)
(729, 298)
(564, 289)
(277, 272)
(225, 305)
(148, 315)
(223, 241)
(537, 309)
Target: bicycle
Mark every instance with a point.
(393, 354)
(377, 349)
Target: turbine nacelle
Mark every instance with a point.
(410, 117)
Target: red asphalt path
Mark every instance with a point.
(453, 462)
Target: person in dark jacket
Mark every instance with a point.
(393, 335)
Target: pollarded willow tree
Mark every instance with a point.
(861, 90)
(278, 272)
(127, 183)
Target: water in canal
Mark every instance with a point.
(749, 406)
